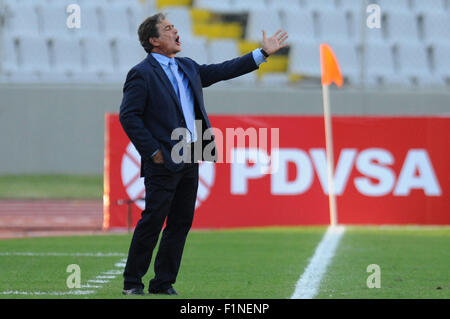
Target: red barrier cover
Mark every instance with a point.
(388, 170)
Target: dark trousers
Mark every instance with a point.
(167, 195)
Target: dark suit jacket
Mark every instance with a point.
(151, 110)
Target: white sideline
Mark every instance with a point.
(101, 279)
(31, 254)
(308, 284)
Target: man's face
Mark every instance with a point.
(168, 43)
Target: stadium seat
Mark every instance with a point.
(222, 50)
(394, 6)
(379, 61)
(34, 57)
(402, 26)
(434, 6)
(304, 58)
(54, 20)
(351, 6)
(181, 18)
(115, 20)
(66, 57)
(21, 19)
(259, 19)
(248, 5)
(218, 6)
(319, 4)
(348, 59)
(414, 63)
(361, 33)
(299, 25)
(138, 13)
(436, 27)
(292, 5)
(441, 60)
(98, 58)
(333, 26)
(90, 22)
(129, 52)
(10, 59)
(194, 48)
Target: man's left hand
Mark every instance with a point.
(275, 42)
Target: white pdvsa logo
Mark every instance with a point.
(134, 184)
(376, 178)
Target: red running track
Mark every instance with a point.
(19, 218)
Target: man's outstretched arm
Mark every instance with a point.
(213, 73)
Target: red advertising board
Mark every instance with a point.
(388, 170)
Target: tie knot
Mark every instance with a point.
(172, 62)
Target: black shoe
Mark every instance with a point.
(133, 291)
(168, 291)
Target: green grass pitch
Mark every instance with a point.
(247, 263)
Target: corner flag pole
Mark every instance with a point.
(330, 73)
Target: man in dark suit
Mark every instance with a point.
(162, 95)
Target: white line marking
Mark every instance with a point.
(106, 277)
(91, 286)
(109, 274)
(98, 281)
(62, 254)
(113, 272)
(308, 284)
(51, 293)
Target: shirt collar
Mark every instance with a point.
(162, 59)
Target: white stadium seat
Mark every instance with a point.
(115, 20)
(402, 26)
(333, 25)
(9, 59)
(90, 24)
(54, 20)
(348, 59)
(352, 6)
(292, 5)
(441, 59)
(34, 57)
(266, 19)
(394, 5)
(222, 50)
(129, 53)
(138, 14)
(214, 5)
(429, 6)
(247, 5)
(21, 19)
(436, 27)
(66, 57)
(304, 58)
(379, 62)
(181, 18)
(415, 64)
(194, 48)
(299, 25)
(319, 4)
(362, 33)
(98, 58)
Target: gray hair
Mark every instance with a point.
(149, 29)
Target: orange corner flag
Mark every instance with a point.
(329, 66)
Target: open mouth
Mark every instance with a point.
(177, 40)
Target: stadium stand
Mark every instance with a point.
(105, 46)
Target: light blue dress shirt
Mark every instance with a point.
(189, 99)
